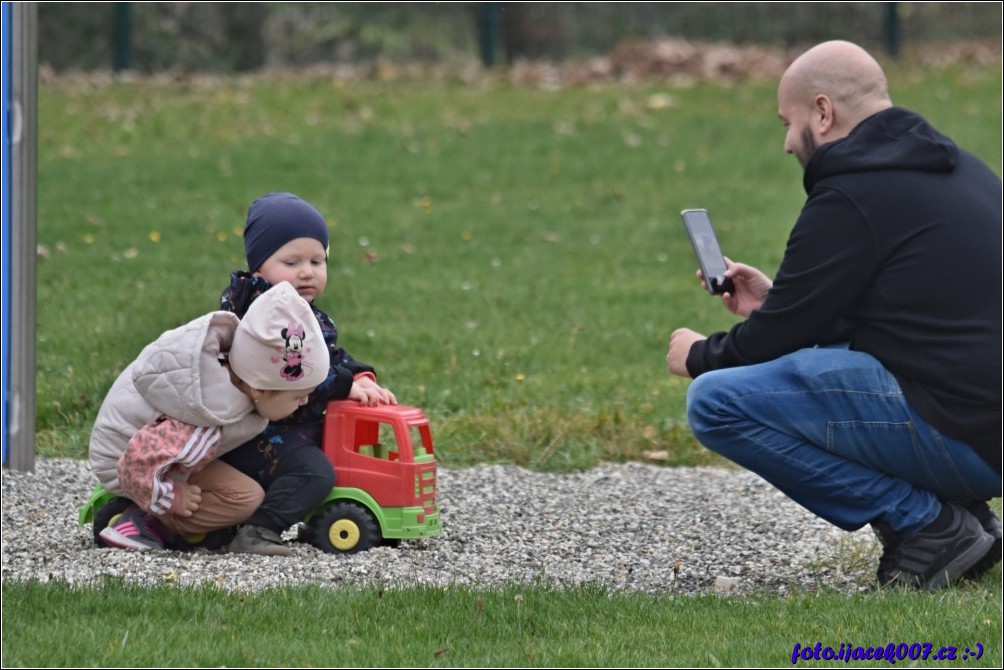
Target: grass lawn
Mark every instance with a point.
(510, 260)
(519, 626)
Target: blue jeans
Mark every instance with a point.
(831, 429)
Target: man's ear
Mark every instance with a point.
(823, 120)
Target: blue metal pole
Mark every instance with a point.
(7, 52)
(20, 117)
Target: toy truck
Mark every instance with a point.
(385, 476)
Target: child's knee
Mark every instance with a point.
(325, 476)
(315, 466)
(241, 497)
(252, 497)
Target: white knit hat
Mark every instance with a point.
(278, 345)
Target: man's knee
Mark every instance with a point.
(704, 404)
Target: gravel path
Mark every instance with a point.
(626, 526)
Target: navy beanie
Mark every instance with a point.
(275, 219)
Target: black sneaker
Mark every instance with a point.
(992, 525)
(885, 534)
(931, 559)
(890, 541)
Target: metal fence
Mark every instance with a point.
(150, 37)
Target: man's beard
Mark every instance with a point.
(807, 148)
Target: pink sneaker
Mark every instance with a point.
(134, 529)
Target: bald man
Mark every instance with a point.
(865, 379)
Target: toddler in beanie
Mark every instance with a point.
(275, 219)
(287, 459)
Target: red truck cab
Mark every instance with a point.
(385, 478)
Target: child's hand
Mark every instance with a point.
(188, 497)
(371, 394)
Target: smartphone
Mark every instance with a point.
(709, 254)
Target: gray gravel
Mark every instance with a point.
(629, 526)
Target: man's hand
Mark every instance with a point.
(679, 348)
(751, 288)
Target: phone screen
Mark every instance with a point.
(706, 244)
(709, 253)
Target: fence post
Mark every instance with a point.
(892, 29)
(20, 92)
(122, 39)
(488, 19)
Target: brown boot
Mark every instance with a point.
(258, 540)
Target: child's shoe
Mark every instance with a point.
(134, 529)
(257, 540)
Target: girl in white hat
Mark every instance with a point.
(194, 394)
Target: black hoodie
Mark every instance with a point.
(897, 251)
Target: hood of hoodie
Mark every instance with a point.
(893, 139)
(180, 374)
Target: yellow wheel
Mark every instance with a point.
(344, 535)
(344, 528)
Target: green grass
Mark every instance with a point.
(510, 260)
(122, 626)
